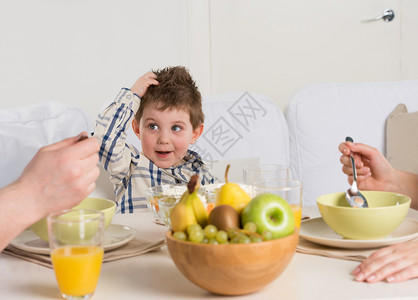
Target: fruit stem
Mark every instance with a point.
(193, 183)
(226, 173)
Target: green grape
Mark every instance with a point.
(256, 239)
(213, 242)
(192, 227)
(232, 232)
(211, 231)
(222, 237)
(235, 239)
(244, 239)
(267, 235)
(196, 235)
(205, 240)
(180, 235)
(250, 226)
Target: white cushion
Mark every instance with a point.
(321, 116)
(243, 128)
(24, 130)
(402, 139)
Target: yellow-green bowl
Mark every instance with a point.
(385, 213)
(106, 206)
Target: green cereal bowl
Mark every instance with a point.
(385, 213)
(106, 206)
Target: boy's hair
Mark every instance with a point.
(176, 90)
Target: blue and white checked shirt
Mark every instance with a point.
(130, 171)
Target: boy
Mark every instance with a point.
(165, 109)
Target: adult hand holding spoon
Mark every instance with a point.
(354, 197)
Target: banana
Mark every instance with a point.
(190, 209)
(182, 215)
(200, 211)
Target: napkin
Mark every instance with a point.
(307, 247)
(133, 248)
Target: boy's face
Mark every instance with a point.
(165, 135)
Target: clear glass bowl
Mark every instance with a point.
(162, 198)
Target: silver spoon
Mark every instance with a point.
(353, 195)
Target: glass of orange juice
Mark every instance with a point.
(76, 239)
(289, 189)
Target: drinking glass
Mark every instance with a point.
(76, 240)
(256, 173)
(289, 190)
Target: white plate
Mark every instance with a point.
(115, 236)
(317, 231)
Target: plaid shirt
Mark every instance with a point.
(130, 171)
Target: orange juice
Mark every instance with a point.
(297, 212)
(77, 268)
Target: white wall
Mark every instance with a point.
(82, 51)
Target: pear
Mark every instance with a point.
(232, 194)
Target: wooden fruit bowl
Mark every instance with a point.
(233, 269)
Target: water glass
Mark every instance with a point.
(257, 173)
(76, 239)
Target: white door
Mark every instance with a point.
(276, 47)
(409, 35)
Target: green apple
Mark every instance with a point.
(270, 212)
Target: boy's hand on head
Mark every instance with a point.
(143, 82)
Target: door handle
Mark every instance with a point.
(387, 16)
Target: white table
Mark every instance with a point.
(154, 276)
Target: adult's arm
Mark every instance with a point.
(58, 177)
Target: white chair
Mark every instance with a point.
(24, 130)
(319, 118)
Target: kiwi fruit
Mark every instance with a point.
(224, 217)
